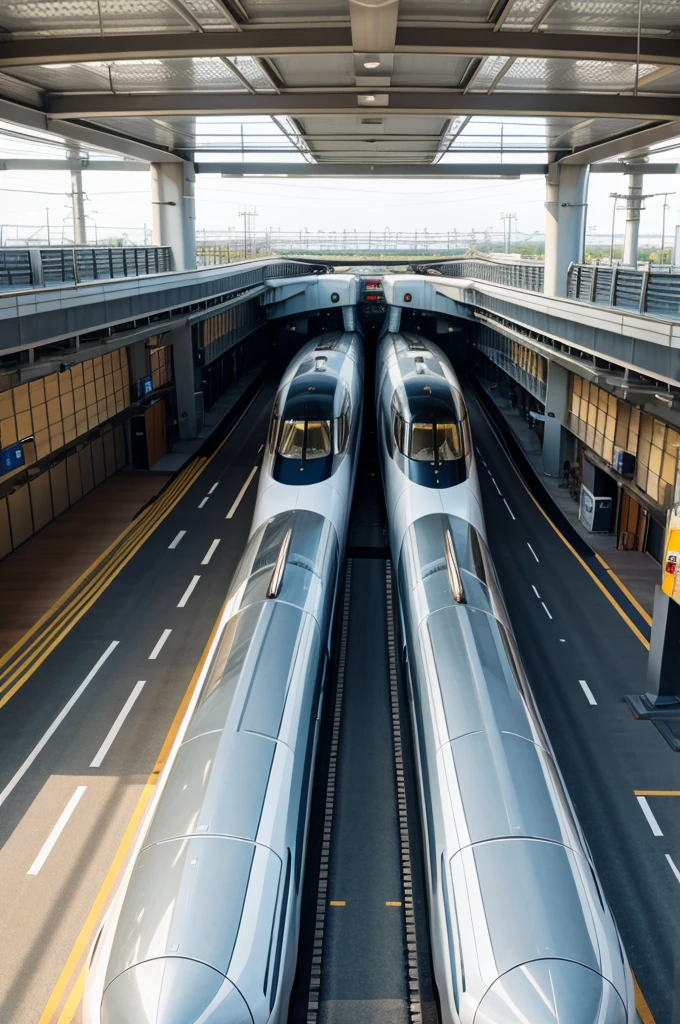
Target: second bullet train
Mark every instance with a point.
(521, 932)
(204, 926)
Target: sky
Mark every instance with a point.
(120, 202)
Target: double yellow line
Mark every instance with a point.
(21, 661)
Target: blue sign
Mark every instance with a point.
(147, 385)
(11, 458)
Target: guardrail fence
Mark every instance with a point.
(656, 292)
(528, 276)
(38, 267)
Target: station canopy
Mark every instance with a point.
(368, 83)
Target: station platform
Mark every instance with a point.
(39, 572)
(639, 573)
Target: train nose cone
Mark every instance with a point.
(551, 992)
(171, 990)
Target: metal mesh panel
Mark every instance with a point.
(488, 71)
(312, 69)
(614, 16)
(253, 72)
(433, 70)
(199, 73)
(557, 74)
(277, 10)
(15, 268)
(628, 288)
(72, 78)
(208, 14)
(82, 17)
(443, 10)
(603, 286)
(663, 295)
(527, 276)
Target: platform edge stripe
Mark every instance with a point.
(610, 597)
(641, 1006)
(44, 644)
(622, 586)
(93, 917)
(59, 607)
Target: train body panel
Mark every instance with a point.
(319, 403)
(520, 929)
(204, 926)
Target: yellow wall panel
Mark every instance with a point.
(24, 425)
(67, 406)
(8, 431)
(53, 411)
(21, 399)
(36, 391)
(65, 385)
(39, 414)
(6, 405)
(42, 443)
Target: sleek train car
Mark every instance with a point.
(204, 926)
(316, 420)
(521, 931)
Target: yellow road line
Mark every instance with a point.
(80, 946)
(338, 903)
(641, 1004)
(622, 586)
(657, 792)
(392, 903)
(67, 613)
(643, 640)
(70, 616)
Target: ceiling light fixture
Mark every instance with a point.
(372, 62)
(368, 99)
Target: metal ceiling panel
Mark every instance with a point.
(559, 75)
(210, 14)
(444, 11)
(150, 76)
(328, 69)
(13, 88)
(611, 16)
(373, 123)
(490, 68)
(82, 17)
(412, 69)
(668, 84)
(587, 133)
(272, 11)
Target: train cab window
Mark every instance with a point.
(434, 444)
(305, 439)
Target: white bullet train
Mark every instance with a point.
(204, 926)
(521, 932)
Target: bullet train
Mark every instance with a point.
(521, 932)
(204, 926)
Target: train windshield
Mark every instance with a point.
(305, 439)
(435, 442)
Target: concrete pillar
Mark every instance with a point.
(174, 216)
(77, 203)
(185, 382)
(633, 206)
(554, 434)
(566, 205)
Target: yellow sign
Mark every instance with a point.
(670, 583)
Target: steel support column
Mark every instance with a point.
(174, 217)
(554, 434)
(566, 205)
(185, 381)
(633, 207)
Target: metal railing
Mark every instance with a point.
(528, 276)
(38, 267)
(653, 291)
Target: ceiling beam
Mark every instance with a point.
(94, 138)
(444, 102)
(366, 169)
(374, 25)
(471, 42)
(637, 142)
(36, 164)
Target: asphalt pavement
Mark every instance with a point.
(80, 739)
(582, 658)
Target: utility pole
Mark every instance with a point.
(244, 214)
(47, 217)
(666, 206)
